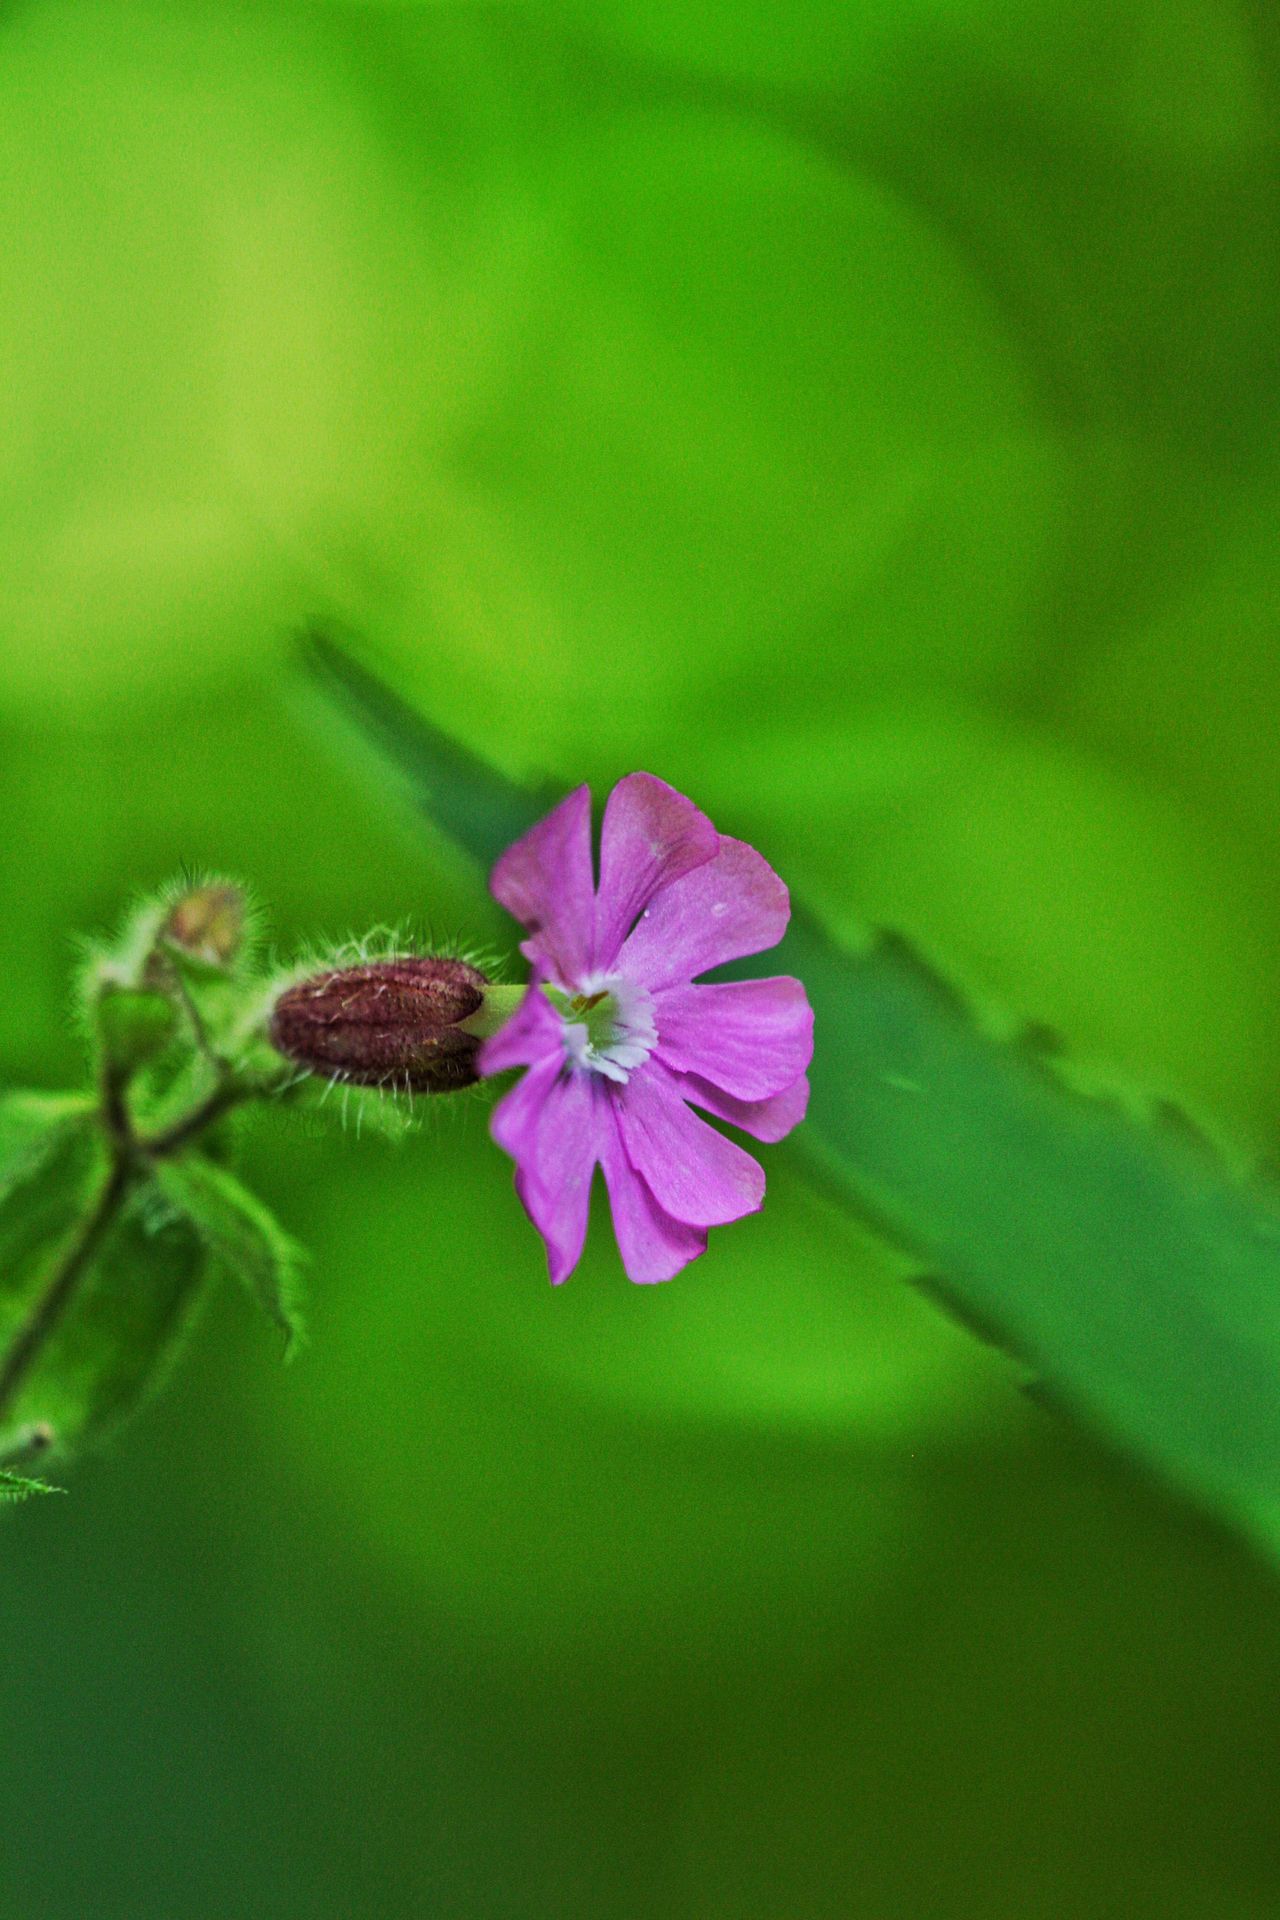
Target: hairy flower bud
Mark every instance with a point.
(393, 1023)
(208, 923)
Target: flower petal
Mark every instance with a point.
(770, 1119)
(751, 1037)
(561, 1221)
(551, 1124)
(651, 836)
(729, 906)
(693, 1172)
(545, 880)
(653, 1246)
(515, 1120)
(532, 1034)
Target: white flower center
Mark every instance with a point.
(607, 1024)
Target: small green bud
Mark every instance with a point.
(399, 1022)
(207, 923)
(134, 1025)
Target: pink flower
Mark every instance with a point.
(619, 1042)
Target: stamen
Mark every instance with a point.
(607, 1025)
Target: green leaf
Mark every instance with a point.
(118, 1326)
(16, 1486)
(124, 1324)
(1110, 1248)
(1117, 1253)
(465, 797)
(52, 1163)
(240, 1233)
(34, 1128)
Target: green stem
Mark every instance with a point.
(53, 1302)
(194, 1015)
(128, 1155)
(212, 1108)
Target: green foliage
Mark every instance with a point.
(93, 1298)
(15, 1487)
(117, 1205)
(239, 1233)
(52, 1164)
(1109, 1248)
(33, 1127)
(1115, 1251)
(115, 1343)
(112, 1211)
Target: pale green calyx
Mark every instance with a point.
(494, 1011)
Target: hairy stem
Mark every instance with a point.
(60, 1290)
(229, 1094)
(129, 1155)
(199, 1029)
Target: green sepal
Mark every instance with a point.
(209, 925)
(323, 1106)
(187, 947)
(239, 1233)
(208, 920)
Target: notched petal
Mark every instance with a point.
(751, 1037)
(652, 836)
(652, 1246)
(693, 1172)
(545, 881)
(551, 1125)
(769, 1120)
(733, 905)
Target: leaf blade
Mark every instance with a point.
(122, 1326)
(471, 802)
(240, 1233)
(33, 1128)
(16, 1487)
(1137, 1275)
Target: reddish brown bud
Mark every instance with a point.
(393, 1023)
(208, 923)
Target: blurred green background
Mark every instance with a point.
(867, 419)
